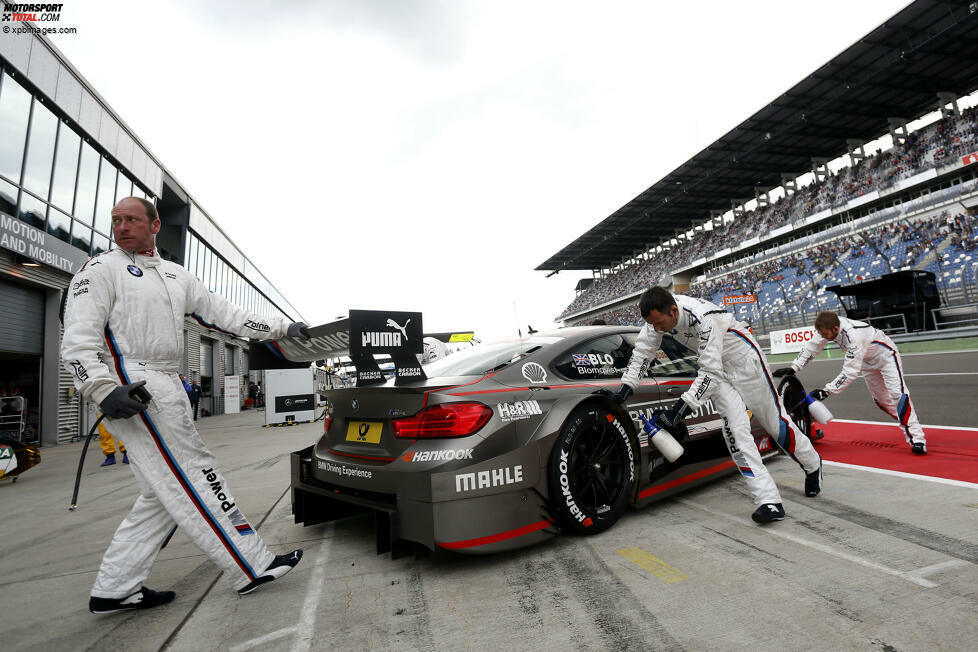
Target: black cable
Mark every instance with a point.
(81, 464)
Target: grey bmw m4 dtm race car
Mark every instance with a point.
(504, 445)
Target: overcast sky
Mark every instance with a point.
(427, 155)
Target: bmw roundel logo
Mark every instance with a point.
(135, 271)
(356, 404)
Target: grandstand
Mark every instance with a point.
(876, 194)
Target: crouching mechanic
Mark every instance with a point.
(868, 353)
(734, 374)
(123, 328)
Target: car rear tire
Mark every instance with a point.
(792, 392)
(591, 471)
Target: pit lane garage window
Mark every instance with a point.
(601, 358)
(486, 358)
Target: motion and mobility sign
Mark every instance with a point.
(28, 241)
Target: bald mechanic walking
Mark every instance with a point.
(734, 374)
(124, 329)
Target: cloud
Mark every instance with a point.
(429, 30)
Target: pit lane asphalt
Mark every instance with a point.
(874, 562)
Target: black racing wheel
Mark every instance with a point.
(592, 470)
(792, 394)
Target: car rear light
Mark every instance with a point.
(448, 420)
(326, 422)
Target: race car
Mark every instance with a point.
(505, 445)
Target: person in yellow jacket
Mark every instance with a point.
(105, 440)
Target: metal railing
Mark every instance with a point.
(961, 315)
(883, 322)
(13, 416)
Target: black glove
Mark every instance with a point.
(120, 404)
(298, 329)
(819, 394)
(786, 371)
(670, 420)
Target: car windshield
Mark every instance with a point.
(486, 358)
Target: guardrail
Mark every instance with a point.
(963, 315)
(885, 319)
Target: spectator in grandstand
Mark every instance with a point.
(868, 353)
(733, 374)
(925, 148)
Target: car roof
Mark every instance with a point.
(586, 331)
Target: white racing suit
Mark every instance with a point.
(871, 354)
(733, 372)
(124, 323)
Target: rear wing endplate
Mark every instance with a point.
(361, 336)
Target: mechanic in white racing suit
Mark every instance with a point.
(733, 373)
(434, 349)
(868, 353)
(123, 328)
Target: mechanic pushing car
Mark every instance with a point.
(734, 374)
(868, 353)
(123, 337)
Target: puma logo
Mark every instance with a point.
(135, 598)
(393, 324)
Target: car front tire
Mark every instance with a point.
(792, 392)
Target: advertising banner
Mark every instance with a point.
(232, 394)
(739, 299)
(968, 159)
(289, 396)
(791, 340)
(24, 239)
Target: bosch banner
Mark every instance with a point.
(791, 340)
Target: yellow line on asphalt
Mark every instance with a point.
(662, 570)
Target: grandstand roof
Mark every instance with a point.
(896, 70)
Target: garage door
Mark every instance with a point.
(21, 319)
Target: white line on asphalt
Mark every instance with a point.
(893, 423)
(821, 547)
(307, 619)
(940, 566)
(261, 640)
(946, 373)
(903, 474)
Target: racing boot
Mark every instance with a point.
(813, 481)
(109, 460)
(281, 565)
(918, 448)
(768, 512)
(142, 599)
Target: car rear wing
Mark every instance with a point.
(361, 336)
(454, 336)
